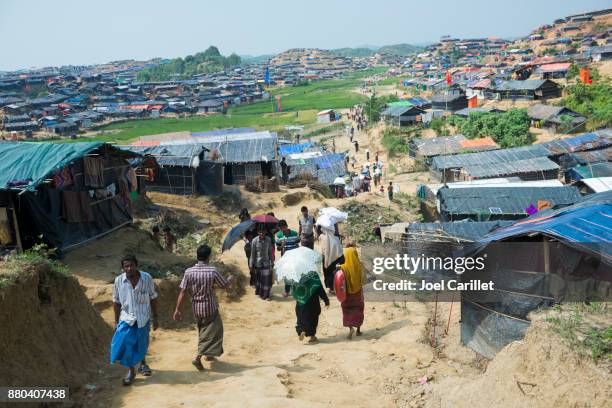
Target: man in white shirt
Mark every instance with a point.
(135, 306)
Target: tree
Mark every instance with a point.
(233, 60)
(508, 129)
(212, 51)
(593, 101)
(573, 71)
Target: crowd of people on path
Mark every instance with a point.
(135, 299)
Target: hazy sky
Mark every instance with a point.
(57, 32)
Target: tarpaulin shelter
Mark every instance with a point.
(325, 167)
(64, 195)
(550, 257)
(500, 203)
(179, 169)
(448, 167)
(245, 156)
(447, 145)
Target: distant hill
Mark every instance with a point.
(366, 51)
(353, 52)
(256, 59)
(399, 49)
(208, 61)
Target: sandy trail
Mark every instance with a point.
(265, 364)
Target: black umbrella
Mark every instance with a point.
(235, 234)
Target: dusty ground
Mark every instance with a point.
(398, 362)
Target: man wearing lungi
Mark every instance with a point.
(200, 281)
(261, 262)
(135, 306)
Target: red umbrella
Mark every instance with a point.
(265, 218)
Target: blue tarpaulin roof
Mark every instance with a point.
(586, 141)
(294, 148)
(587, 224)
(36, 161)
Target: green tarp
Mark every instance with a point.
(400, 103)
(37, 161)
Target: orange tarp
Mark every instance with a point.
(482, 142)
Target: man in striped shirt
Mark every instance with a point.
(200, 281)
(135, 305)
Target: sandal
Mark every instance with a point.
(198, 364)
(129, 379)
(302, 335)
(145, 370)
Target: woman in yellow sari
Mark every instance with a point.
(355, 278)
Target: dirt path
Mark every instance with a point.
(265, 365)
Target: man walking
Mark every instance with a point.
(135, 306)
(200, 281)
(306, 230)
(261, 262)
(390, 191)
(284, 170)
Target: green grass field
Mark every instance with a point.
(125, 131)
(306, 101)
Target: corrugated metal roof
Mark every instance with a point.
(530, 84)
(466, 230)
(169, 155)
(598, 184)
(502, 200)
(491, 157)
(559, 66)
(511, 168)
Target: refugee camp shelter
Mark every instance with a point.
(580, 143)
(553, 256)
(602, 169)
(402, 116)
(244, 155)
(449, 101)
(554, 70)
(501, 203)
(555, 118)
(427, 148)
(326, 116)
(594, 185)
(325, 167)
(531, 89)
(430, 202)
(64, 195)
(178, 169)
(516, 161)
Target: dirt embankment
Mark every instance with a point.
(51, 334)
(539, 371)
